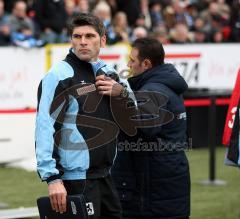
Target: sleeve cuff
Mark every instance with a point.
(55, 181)
(53, 178)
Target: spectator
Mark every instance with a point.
(19, 19)
(225, 22)
(217, 36)
(199, 36)
(192, 9)
(160, 33)
(51, 18)
(156, 13)
(4, 26)
(180, 34)
(138, 32)
(83, 6)
(140, 21)
(177, 13)
(145, 11)
(199, 24)
(120, 30)
(211, 16)
(103, 11)
(24, 38)
(70, 8)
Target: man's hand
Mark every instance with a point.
(107, 86)
(57, 195)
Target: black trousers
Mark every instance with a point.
(100, 194)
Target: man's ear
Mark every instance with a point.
(103, 41)
(147, 64)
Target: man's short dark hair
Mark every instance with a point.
(149, 48)
(84, 19)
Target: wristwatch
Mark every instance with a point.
(124, 93)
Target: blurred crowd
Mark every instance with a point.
(35, 23)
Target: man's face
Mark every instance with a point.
(135, 65)
(86, 43)
(20, 9)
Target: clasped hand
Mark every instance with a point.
(107, 86)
